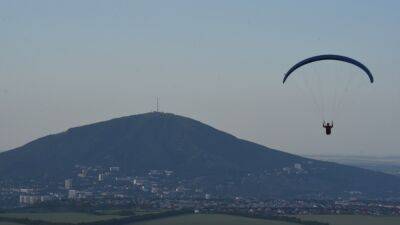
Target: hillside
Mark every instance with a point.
(194, 151)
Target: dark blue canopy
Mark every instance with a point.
(329, 57)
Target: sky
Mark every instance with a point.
(68, 63)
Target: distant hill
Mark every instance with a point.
(386, 164)
(194, 151)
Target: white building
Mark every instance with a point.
(29, 199)
(207, 196)
(83, 173)
(114, 169)
(68, 184)
(168, 172)
(138, 181)
(26, 190)
(73, 194)
(45, 198)
(298, 166)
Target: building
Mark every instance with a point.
(298, 166)
(83, 173)
(26, 190)
(207, 196)
(73, 194)
(68, 184)
(155, 172)
(45, 198)
(114, 169)
(29, 199)
(138, 181)
(168, 172)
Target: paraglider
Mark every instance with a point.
(328, 127)
(318, 98)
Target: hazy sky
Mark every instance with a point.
(69, 63)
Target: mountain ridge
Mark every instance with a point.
(193, 149)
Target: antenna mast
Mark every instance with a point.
(157, 106)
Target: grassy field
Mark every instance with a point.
(68, 217)
(7, 223)
(211, 220)
(127, 212)
(354, 220)
(204, 219)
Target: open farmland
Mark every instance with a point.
(66, 217)
(353, 219)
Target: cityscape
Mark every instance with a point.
(100, 187)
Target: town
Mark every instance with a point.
(99, 187)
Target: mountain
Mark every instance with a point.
(193, 150)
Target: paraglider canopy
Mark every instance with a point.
(329, 57)
(328, 81)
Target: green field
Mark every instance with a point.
(208, 219)
(204, 219)
(7, 223)
(354, 220)
(68, 217)
(127, 212)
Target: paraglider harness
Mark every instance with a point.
(328, 127)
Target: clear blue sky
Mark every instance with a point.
(68, 63)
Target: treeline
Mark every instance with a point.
(289, 219)
(160, 215)
(120, 221)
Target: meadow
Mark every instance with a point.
(7, 223)
(202, 219)
(67, 217)
(353, 219)
(209, 219)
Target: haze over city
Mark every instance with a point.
(66, 64)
